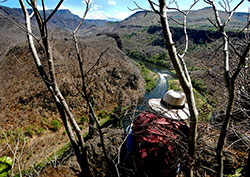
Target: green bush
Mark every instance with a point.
(83, 119)
(40, 130)
(158, 59)
(29, 131)
(45, 122)
(174, 85)
(236, 174)
(103, 114)
(5, 166)
(55, 125)
(149, 77)
(199, 86)
(129, 35)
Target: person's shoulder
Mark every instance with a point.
(147, 115)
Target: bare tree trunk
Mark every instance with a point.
(224, 128)
(184, 78)
(51, 83)
(84, 88)
(80, 152)
(229, 80)
(92, 118)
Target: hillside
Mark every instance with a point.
(26, 105)
(142, 39)
(62, 21)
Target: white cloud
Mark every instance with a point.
(122, 15)
(62, 7)
(97, 15)
(97, 12)
(112, 2)
(41, 8)
(244, 9)
(95, 7)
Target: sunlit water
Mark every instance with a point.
(160, 89)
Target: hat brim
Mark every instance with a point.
(175, 114)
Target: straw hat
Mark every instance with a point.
(172, 105)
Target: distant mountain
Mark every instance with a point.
(196, 19)
(112, 19)
(63, 18)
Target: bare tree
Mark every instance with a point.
(177, 59)
(49, 78)
(16, 148)
(93, 118)
(230, 73)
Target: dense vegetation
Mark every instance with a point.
(158, 59)
(150, 77)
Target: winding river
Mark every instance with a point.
(161, 87)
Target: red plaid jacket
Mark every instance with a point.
(152, 132)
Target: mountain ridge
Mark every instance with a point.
(63, 18)
(196, 18)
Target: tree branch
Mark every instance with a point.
(97, 61)
(53, 12)
(19, 25)
(84, 16)
(242, 62)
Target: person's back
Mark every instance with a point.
(157, 141)
(159, 144)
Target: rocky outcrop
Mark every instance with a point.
(197, 36)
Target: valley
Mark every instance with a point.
(115, 56)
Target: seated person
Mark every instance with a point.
(158, 142)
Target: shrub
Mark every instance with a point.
(199, 86)
(29, 131)
(64, 132)
(236, 174)
(45, 122)
(159, 59)
(174, 85)
(149, 77)
(55, 125)
(5, 166)
(40, 130)
(83, 119)
(103, 114)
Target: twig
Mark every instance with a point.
(97, 61)
(20, 26)
(24, 65)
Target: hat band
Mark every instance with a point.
(171, 106)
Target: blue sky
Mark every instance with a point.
(102, 9)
